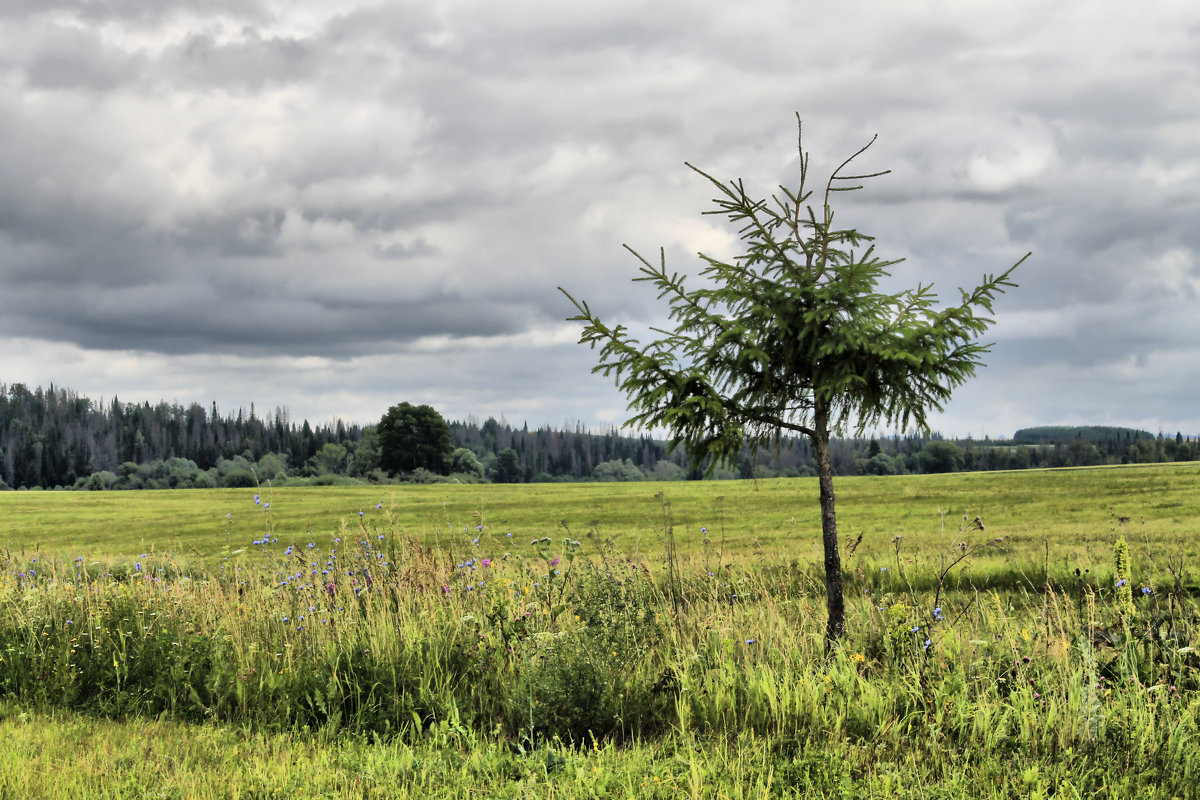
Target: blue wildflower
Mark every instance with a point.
(1145, 590)
(937, 614)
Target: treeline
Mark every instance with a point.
(1032, 448)
(55, 438)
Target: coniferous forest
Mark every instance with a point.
(55, 438)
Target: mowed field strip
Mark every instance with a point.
(1062, 515)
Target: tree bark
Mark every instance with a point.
(833, 558)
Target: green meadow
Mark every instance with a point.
(605, 640)
(1073, 513)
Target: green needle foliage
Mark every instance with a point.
(793, 335)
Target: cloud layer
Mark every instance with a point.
(339, 210)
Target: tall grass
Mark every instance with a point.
(492, 638)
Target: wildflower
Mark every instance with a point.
(916, 628)
(751, 641)
(1121, 583)
(1145, 590)
(256, 499)
(554, 561)
(311, 545)
(704, 530)
(360, 513)
(381, 537)
(937, 614)
(487, 562)
(928, 644)
(380, 505)
(475, 541)
(883, 569)
(137, 566)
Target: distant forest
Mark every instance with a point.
(57, 439)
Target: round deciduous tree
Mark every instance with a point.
(412, 437)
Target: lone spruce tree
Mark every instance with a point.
(793, 336)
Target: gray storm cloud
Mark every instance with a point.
(232, 197)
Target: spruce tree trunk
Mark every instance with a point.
(833, 558)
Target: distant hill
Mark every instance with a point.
(1099, 435)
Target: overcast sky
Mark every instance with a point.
(336, 207)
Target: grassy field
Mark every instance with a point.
(1073, 514)
(605, 640)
